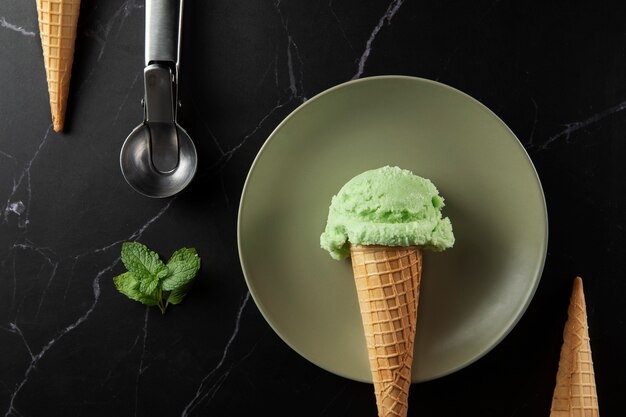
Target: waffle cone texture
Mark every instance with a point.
(387, 282)
(58, 20)
(575, 393)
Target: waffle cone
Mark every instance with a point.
(575, 392)
(387, 281)
(57, 25)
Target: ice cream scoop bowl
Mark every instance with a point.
(159, 159)
(136, 161)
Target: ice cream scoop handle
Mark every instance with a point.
(162, 31)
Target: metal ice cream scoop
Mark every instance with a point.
(159, 159)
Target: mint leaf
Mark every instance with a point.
(151, 282)
(162, 273)
(140, 260)
(148, 284)
(128, 284)
(177, 295)
(149, 300)
(184, 254)
(180, 274)
(183, 267)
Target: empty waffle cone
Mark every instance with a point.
(387, 281)
(575, 392)
(57, 25)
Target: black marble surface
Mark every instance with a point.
(70, 345)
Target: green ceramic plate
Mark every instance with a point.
(471, 295)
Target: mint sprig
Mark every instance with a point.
(153, 283)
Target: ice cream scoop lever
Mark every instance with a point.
(159, 159)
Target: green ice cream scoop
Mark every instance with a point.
(388, 206)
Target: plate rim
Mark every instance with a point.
(537, 278)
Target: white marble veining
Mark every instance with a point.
(14, 328)
(215, 388)
(48, 256)
(203, 392)
(295, 86)
(17, 183)
(134, 235)
(125, 99)
(15, 28)
(141, 369)
(292, 79)
(36, 358)
(16, 207)
(340, 25)
(102, 32)
(391, 11)
(6, 155)
(229, 154)
(118, 18)
(575, 126)
(62, 333)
